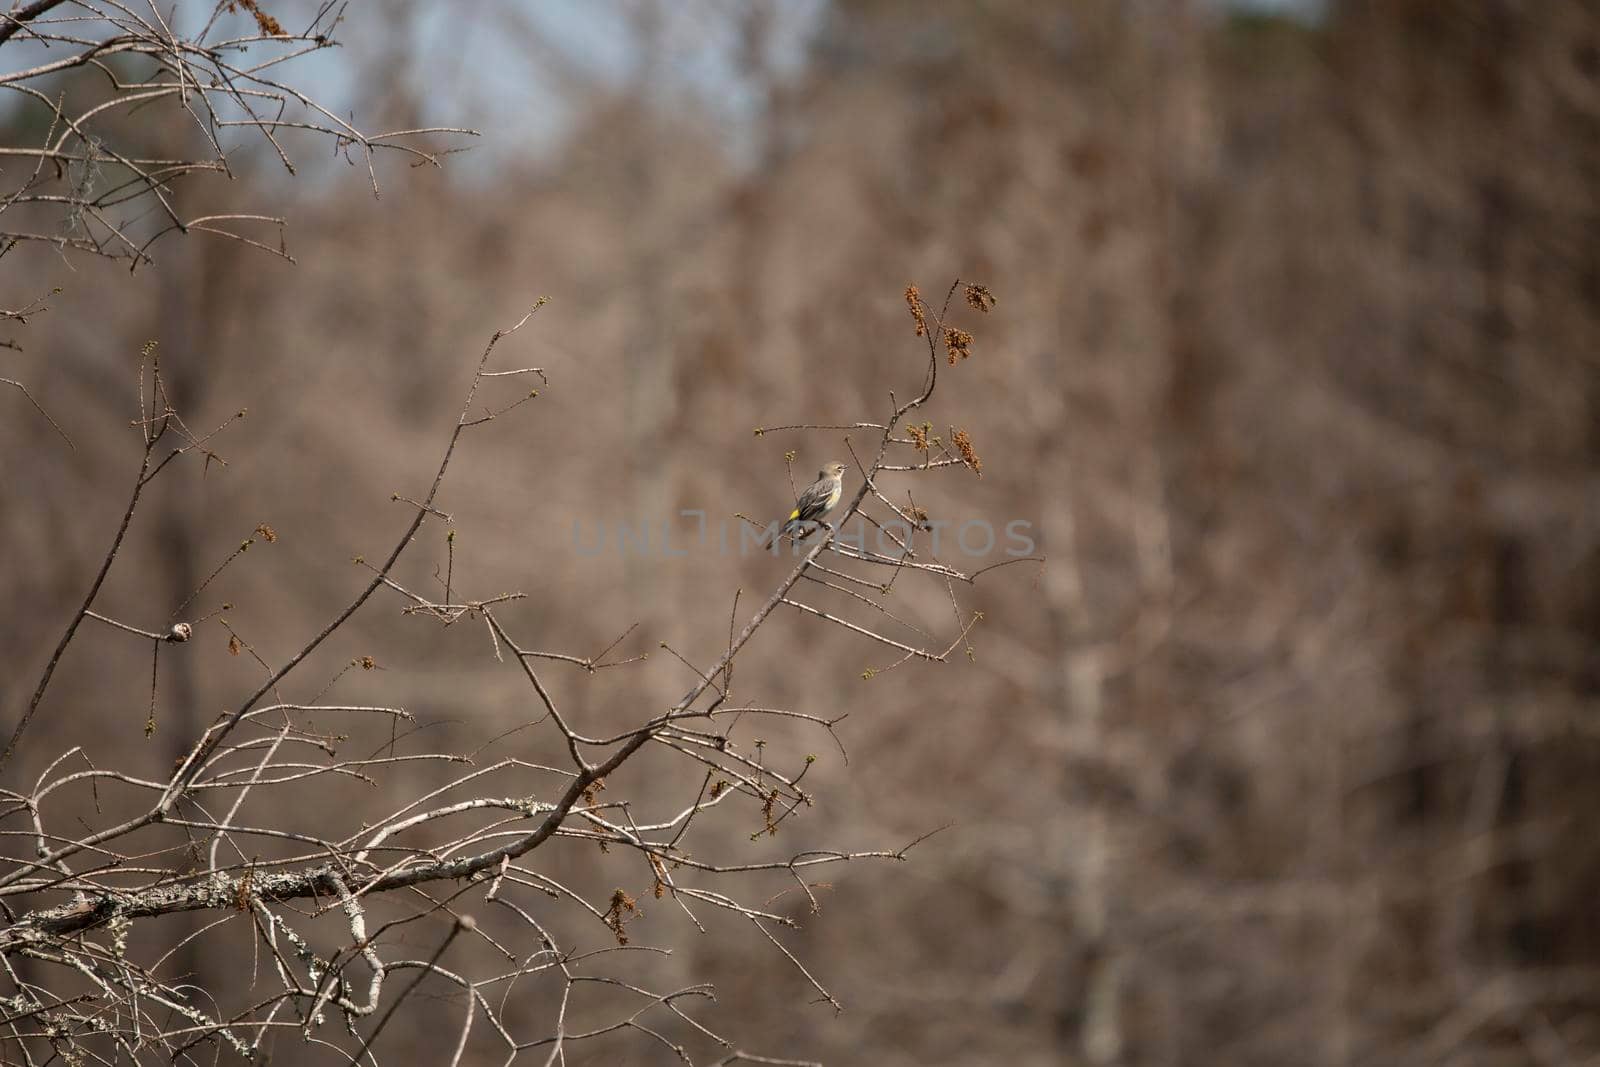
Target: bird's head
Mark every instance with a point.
(833, 470)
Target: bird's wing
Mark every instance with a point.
(811, 501)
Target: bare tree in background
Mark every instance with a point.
(1288, 755)
(91, 173)
(90, 184)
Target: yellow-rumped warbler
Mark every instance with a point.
(819, 498)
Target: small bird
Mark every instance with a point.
(819, 498)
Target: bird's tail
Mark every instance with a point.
(779, 533)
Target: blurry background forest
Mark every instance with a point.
(1288, 754)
